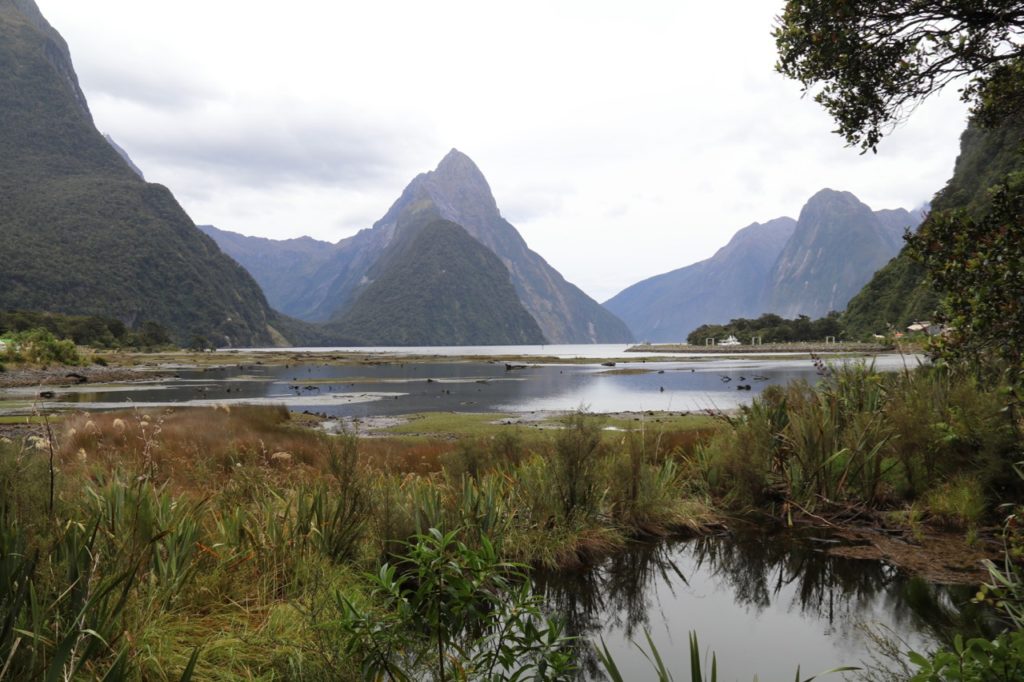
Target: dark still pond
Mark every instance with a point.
(396, 387)
(763, 603)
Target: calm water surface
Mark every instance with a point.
(763, 604)
(397, 387)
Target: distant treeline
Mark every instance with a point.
(86, 330)
(771, 328)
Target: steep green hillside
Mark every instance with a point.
(899, 293)
(439, 287)
(82, 233)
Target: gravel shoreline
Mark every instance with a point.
(70, 376)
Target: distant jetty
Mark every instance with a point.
(799, 347)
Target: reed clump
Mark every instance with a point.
(874, 440)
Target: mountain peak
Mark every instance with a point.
(458, 174)
(456, 188)
(455, 160)
(829, 195)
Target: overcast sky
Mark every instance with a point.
(623, 139)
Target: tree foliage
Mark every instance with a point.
(978, 261)
(86, 330)
(871, 62)
(40, 347)
(771, 328)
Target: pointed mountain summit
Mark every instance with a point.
(455, 191)
(461, 194)
(837, 246)
(82, 233)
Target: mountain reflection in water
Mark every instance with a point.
(763, 603)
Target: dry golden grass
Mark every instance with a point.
(192, 447)
(202, 448)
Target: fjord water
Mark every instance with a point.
(396, 387)
(763, 603)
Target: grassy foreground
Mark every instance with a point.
(131, 541)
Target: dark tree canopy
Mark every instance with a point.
(771, 328)
(979, 262)
(871, 62)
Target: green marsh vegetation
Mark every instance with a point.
(280, 552)
(931, 438)
(274, 551)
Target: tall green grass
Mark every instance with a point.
(862, 437)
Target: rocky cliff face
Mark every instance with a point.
(895, 222)
(730, 284)
(458, 192)
(54, 49)
(837, 246)
(82, 233)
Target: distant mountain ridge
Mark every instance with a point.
(281, 267)
(837, 246)
(458, 192)
(82, 233)
(728, 285)
(809, 266)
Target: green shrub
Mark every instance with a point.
(447, 611)
(864, 436)
(976, 660)
(40, 347)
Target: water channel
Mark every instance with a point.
(396, 387)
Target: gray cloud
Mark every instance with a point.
(145, 85)
(269, 150)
